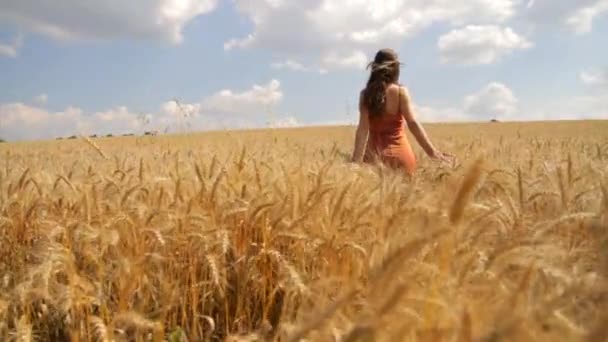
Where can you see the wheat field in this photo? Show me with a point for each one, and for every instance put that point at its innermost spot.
(271, 235)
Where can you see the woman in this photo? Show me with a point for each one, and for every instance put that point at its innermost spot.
(384, 107)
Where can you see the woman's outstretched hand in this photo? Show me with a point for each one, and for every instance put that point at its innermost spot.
(443, 157)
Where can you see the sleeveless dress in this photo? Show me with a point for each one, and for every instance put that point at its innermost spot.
(387, 143)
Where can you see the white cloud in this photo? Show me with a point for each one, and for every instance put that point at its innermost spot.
(105, 19)
(333, 34)
(497, 101)
(21, 121)
(427, 113)
(479, 44)
(595, 78)
(226, 109)
(285, 122)
(289, 65)
(41, 99)
(257, 100)
(334, 60)
(494, 101)
(582, 19)
(293, 65)
(11, 49)
(575, 15)
(176, 109)
(238, 43)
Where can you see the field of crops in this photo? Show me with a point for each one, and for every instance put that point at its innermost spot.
(273, 235)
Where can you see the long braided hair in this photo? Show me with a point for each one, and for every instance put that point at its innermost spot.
(384, 71)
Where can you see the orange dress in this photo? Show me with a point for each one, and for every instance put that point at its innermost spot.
(388, 143)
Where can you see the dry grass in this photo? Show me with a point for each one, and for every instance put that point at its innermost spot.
(271, 235)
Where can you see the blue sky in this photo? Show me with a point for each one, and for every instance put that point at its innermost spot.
(71, 67)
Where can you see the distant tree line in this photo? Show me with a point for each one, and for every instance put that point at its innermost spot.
(148, 133)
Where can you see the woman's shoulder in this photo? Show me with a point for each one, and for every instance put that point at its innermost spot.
(396, 88)
(403, 92)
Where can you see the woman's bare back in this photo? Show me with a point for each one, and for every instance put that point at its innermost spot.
(387, 141)
(384, 111)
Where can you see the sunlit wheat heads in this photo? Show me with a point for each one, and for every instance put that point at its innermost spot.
(276, 236)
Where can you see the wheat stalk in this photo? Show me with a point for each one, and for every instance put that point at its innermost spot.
(274, 238)
(94, 146)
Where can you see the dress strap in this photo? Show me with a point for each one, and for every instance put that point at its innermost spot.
(399, 100)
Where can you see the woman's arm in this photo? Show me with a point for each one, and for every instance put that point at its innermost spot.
(362, 132)
(416, 128)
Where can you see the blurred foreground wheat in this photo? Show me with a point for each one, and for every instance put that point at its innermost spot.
(272, 236)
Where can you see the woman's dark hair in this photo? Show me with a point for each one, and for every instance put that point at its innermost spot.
(384, 71)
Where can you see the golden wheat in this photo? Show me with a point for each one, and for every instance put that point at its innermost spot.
(274, 236)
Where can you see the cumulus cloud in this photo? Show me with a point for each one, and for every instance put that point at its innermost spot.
(479, 44)
(289, 65)
(582, 19)
(20, 121)
(226, 109)
(577, 16)
(595, 78)
(352, 60)
(429, 113)
(334, 34)
(11, 49)
(285, 122)
(105, 19)
(495, 100)
(41, 99)
(257, 100)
